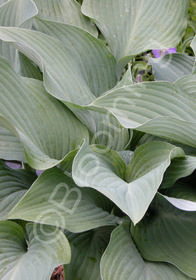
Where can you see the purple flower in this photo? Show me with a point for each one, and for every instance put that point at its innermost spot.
(159, 53)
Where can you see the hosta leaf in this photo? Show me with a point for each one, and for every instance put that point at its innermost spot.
(13, 185)
(180, 167)
(85, 55)
(193, 45)
(182, 196)
(47, 135)
(160, 108)
(55, 200)
(65, 11)
(10, 146)
(2, 2)
(15, 13)
(87, 249)
(168, 234)
(104, 172)
(146, 138)
(131, 27)
(28, 69)
(171, 67)
(46, 249)
(76, 58)
(122, 261)
(106, 129)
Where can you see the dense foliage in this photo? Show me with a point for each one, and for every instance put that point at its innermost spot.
(112, 128)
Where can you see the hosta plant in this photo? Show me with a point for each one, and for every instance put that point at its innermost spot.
(116, 199)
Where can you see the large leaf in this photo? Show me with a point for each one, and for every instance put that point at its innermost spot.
(87, 249)
(65, 11)
(76, 58)
(15, 13)
(168, 234)
(160, 108)
(79, 57)
(13, 185)
(106, 129)
(105, 172)
(45, 250)
(122, 261)
(131, 27)
(171, 67)
(55, 200)
(47, 135)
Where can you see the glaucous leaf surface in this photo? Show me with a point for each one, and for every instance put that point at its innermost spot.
(65, 11)
(45, 127)
(168, 234)
(182, 196)
(34, 258)
(123, 261)
(171, 67)
(13, 186)
(55, 200)
(179, 168)
(15, 13)
(10, 146)
(131, 27)
(160, 108)
(84, 69)
(87, 249)
(76, 58)
(133, 188)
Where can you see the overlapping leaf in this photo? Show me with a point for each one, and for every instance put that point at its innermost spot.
(65, 11)
(122, 261)
(179, 168)
(131, 27)
(160, 108)
(182, 196)
(84, 69)
(172, 66)
(13, 185)
(46, 128)
(15, 13)
(54, 199)
(105, 172)
(87, 249)
(10, 146)
(168, 234)
(46, 249)
(70, 78)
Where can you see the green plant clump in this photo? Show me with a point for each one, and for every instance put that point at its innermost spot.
(113, 131)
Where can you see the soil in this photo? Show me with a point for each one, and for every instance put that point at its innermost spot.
(58, 273)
